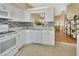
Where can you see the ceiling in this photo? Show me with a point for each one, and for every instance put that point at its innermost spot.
(23, 5)
(59, 7)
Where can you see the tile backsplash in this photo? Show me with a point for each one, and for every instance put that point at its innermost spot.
(13, 24)
(48, 24)
(20, 24)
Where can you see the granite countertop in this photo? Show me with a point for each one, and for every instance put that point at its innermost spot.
(1, 33)
(42, 28)
(19, 29)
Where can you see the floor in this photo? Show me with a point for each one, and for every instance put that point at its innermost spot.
(65, 46)
(61, 49)
(62, 37)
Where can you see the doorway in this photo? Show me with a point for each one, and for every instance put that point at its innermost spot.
(61, 33)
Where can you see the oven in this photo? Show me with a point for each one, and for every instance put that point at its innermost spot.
(7, 43)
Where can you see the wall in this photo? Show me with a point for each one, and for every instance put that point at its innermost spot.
(72, 9)
(57, 20)
(62, 21)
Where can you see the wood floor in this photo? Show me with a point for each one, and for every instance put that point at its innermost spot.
(62, 37)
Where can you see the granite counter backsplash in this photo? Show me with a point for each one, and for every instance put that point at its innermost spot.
(20, 24)
(13, 24)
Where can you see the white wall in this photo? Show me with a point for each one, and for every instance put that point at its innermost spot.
(57, 20)
(62, 21)
(78, 45)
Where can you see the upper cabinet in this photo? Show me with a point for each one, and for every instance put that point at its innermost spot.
(17, 14)
(11, 11)
(49, 14)
(27, 16)
(45, 12)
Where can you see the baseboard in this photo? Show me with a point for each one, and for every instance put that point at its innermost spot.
(43, 44)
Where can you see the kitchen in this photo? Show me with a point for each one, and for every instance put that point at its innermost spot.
(21, 27)
(17, 24)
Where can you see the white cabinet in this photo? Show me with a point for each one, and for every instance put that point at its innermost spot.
(15, 13)
(36, 36)
(49, 14)
(48, 37)
(20, 39)
(43, 36)
(28, 35)
(23, 38)
(12, 8)
(27, 16)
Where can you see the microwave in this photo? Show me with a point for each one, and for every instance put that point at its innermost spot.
(4, 14)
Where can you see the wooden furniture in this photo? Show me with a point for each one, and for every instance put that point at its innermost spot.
(57, 28)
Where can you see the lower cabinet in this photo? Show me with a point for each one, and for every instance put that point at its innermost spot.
(24, 37)
(28, 36)
(36, 36)
(43, 36)
(48, 37)
(20, 39)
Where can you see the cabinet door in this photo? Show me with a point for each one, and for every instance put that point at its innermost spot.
(36, 36)
(22, 37)
(28, 37)
(49, 14)
(27, 17)
(12, 12)
(48, 37)
(18, 41)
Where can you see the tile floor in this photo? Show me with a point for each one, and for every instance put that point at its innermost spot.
(61, 49)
